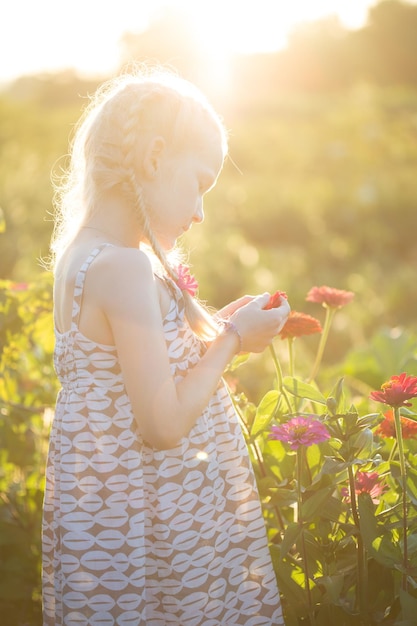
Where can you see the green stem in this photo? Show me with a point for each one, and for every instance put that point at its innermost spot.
(393, 450)
(278, 371)
(303, 543)
(323, 340)
(362, 575)
(255, 448)
(400, 443)
(262, 470)
(291, 356)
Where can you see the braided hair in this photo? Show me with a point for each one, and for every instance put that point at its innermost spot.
(103, 158)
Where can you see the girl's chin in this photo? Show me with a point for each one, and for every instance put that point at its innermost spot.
(167, 244)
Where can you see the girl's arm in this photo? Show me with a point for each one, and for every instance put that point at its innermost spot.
(166, 411)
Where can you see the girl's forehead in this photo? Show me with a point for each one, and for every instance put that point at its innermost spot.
(213, 151)
(211, 159)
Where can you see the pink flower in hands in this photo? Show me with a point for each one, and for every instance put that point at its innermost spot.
(186, 281)
(276, 300)
(300, 431)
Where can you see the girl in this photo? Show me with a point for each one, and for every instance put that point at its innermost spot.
(151, 514)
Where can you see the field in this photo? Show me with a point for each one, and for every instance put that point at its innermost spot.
(320, 189)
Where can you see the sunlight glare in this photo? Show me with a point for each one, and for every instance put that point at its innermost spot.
(226, 28)
(85, 35)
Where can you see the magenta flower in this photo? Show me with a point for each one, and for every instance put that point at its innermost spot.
(186, 281)
(300, 431)
(397, 391)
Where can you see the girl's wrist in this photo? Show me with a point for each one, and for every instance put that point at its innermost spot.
(229, 328)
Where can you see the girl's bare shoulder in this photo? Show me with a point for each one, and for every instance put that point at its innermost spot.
(121, 272)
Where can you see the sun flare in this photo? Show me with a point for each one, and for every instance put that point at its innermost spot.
(229, 27)
(86, 35)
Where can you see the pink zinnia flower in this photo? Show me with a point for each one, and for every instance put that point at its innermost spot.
(330, 297)
(300, 431)
(276, 300)
(397, 391)
(299, 324)
(366, 482)
(387, 427)
(186, 281)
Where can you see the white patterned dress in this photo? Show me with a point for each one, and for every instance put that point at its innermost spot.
(135, 536)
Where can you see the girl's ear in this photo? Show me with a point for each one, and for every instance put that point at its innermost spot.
(153, 156)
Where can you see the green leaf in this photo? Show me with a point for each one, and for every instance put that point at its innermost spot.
(333, 466)
(333, 586)
(369, 420)
(408, 606)
(264, 412)
(378, 541)
(312, 505)
(363, 443)
(292, 533)
(282, 497)
(411, 484)
(239, 360)
(303, 390)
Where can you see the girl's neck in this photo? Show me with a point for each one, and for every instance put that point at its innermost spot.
(114, 220)
(127, 241)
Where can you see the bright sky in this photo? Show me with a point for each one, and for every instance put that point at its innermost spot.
(50, 35)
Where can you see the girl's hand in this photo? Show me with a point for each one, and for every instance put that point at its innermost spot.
(257, 326)
(230, 308)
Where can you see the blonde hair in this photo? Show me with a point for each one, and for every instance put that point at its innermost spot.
(103, 158)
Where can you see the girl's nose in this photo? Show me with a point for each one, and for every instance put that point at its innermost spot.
(198, 216)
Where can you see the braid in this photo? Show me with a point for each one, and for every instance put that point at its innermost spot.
(198, 317)
(143, 220)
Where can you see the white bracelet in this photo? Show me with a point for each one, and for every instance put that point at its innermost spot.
(230, 327)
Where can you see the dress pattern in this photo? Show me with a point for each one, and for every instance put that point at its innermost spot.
(134, 536)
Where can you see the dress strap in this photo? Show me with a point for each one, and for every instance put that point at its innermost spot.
(79, 284)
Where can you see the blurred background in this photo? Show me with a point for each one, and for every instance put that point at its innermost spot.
(320, 100)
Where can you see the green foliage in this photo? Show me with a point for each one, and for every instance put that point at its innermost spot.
(27, 393)
(341, 514)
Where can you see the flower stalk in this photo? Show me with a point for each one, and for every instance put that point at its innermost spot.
(362, 574)
(300, 521)
(403, 476)
(278, 370)
(323, 340)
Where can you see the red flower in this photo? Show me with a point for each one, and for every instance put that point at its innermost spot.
(299, 324)
(330, 297)
(387, 427)
(186, 281)
(300, 431)
(366, 482)
(397, 391)
(275, 300)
